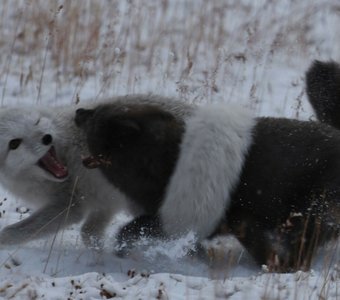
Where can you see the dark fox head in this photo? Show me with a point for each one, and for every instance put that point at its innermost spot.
(110, 128)
(135, 146)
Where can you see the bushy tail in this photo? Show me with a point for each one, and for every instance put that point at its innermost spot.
(323, 91)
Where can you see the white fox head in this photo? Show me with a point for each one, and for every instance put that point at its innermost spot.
(27, 146)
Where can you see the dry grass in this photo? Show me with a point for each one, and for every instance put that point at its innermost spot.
(200, 52)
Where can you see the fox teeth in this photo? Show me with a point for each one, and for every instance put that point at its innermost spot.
(50, 163)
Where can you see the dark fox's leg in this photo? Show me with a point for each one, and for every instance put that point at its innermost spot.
(148, 227)
(269, 245)
(143, 226)
(289, 245)
(251, 234)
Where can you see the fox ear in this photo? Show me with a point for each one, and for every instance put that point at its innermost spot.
(82, 115)
(127, 127)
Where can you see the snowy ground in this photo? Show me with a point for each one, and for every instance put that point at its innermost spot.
(251, 52)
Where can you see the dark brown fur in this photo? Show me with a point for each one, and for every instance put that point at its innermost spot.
(136, 147)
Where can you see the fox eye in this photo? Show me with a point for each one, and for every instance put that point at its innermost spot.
(14, 144)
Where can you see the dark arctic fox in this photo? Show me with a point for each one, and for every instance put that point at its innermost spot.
(273, 183)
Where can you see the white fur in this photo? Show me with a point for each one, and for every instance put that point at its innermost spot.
(213, 151)
(84, 195)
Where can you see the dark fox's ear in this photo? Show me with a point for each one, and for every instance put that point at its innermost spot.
(82, 115)
(126, 127)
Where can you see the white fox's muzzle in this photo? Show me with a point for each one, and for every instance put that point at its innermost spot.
(51, 164)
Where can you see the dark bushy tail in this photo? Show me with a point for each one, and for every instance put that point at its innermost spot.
(323, 91)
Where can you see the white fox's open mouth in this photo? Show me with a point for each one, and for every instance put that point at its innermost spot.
(50, 163)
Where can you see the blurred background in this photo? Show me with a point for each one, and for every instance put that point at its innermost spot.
(252, 52)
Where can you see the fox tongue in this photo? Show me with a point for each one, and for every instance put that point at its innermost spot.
(50, 163)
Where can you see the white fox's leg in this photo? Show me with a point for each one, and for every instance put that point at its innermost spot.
(47, 220)
(93, 229)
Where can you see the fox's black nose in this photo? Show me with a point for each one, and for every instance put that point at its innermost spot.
(47, 139)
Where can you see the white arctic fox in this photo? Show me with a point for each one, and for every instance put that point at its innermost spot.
(40, 161)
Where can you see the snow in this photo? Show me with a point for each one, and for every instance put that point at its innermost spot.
(251, 52)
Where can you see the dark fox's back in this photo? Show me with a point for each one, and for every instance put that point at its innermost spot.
(288, 161)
